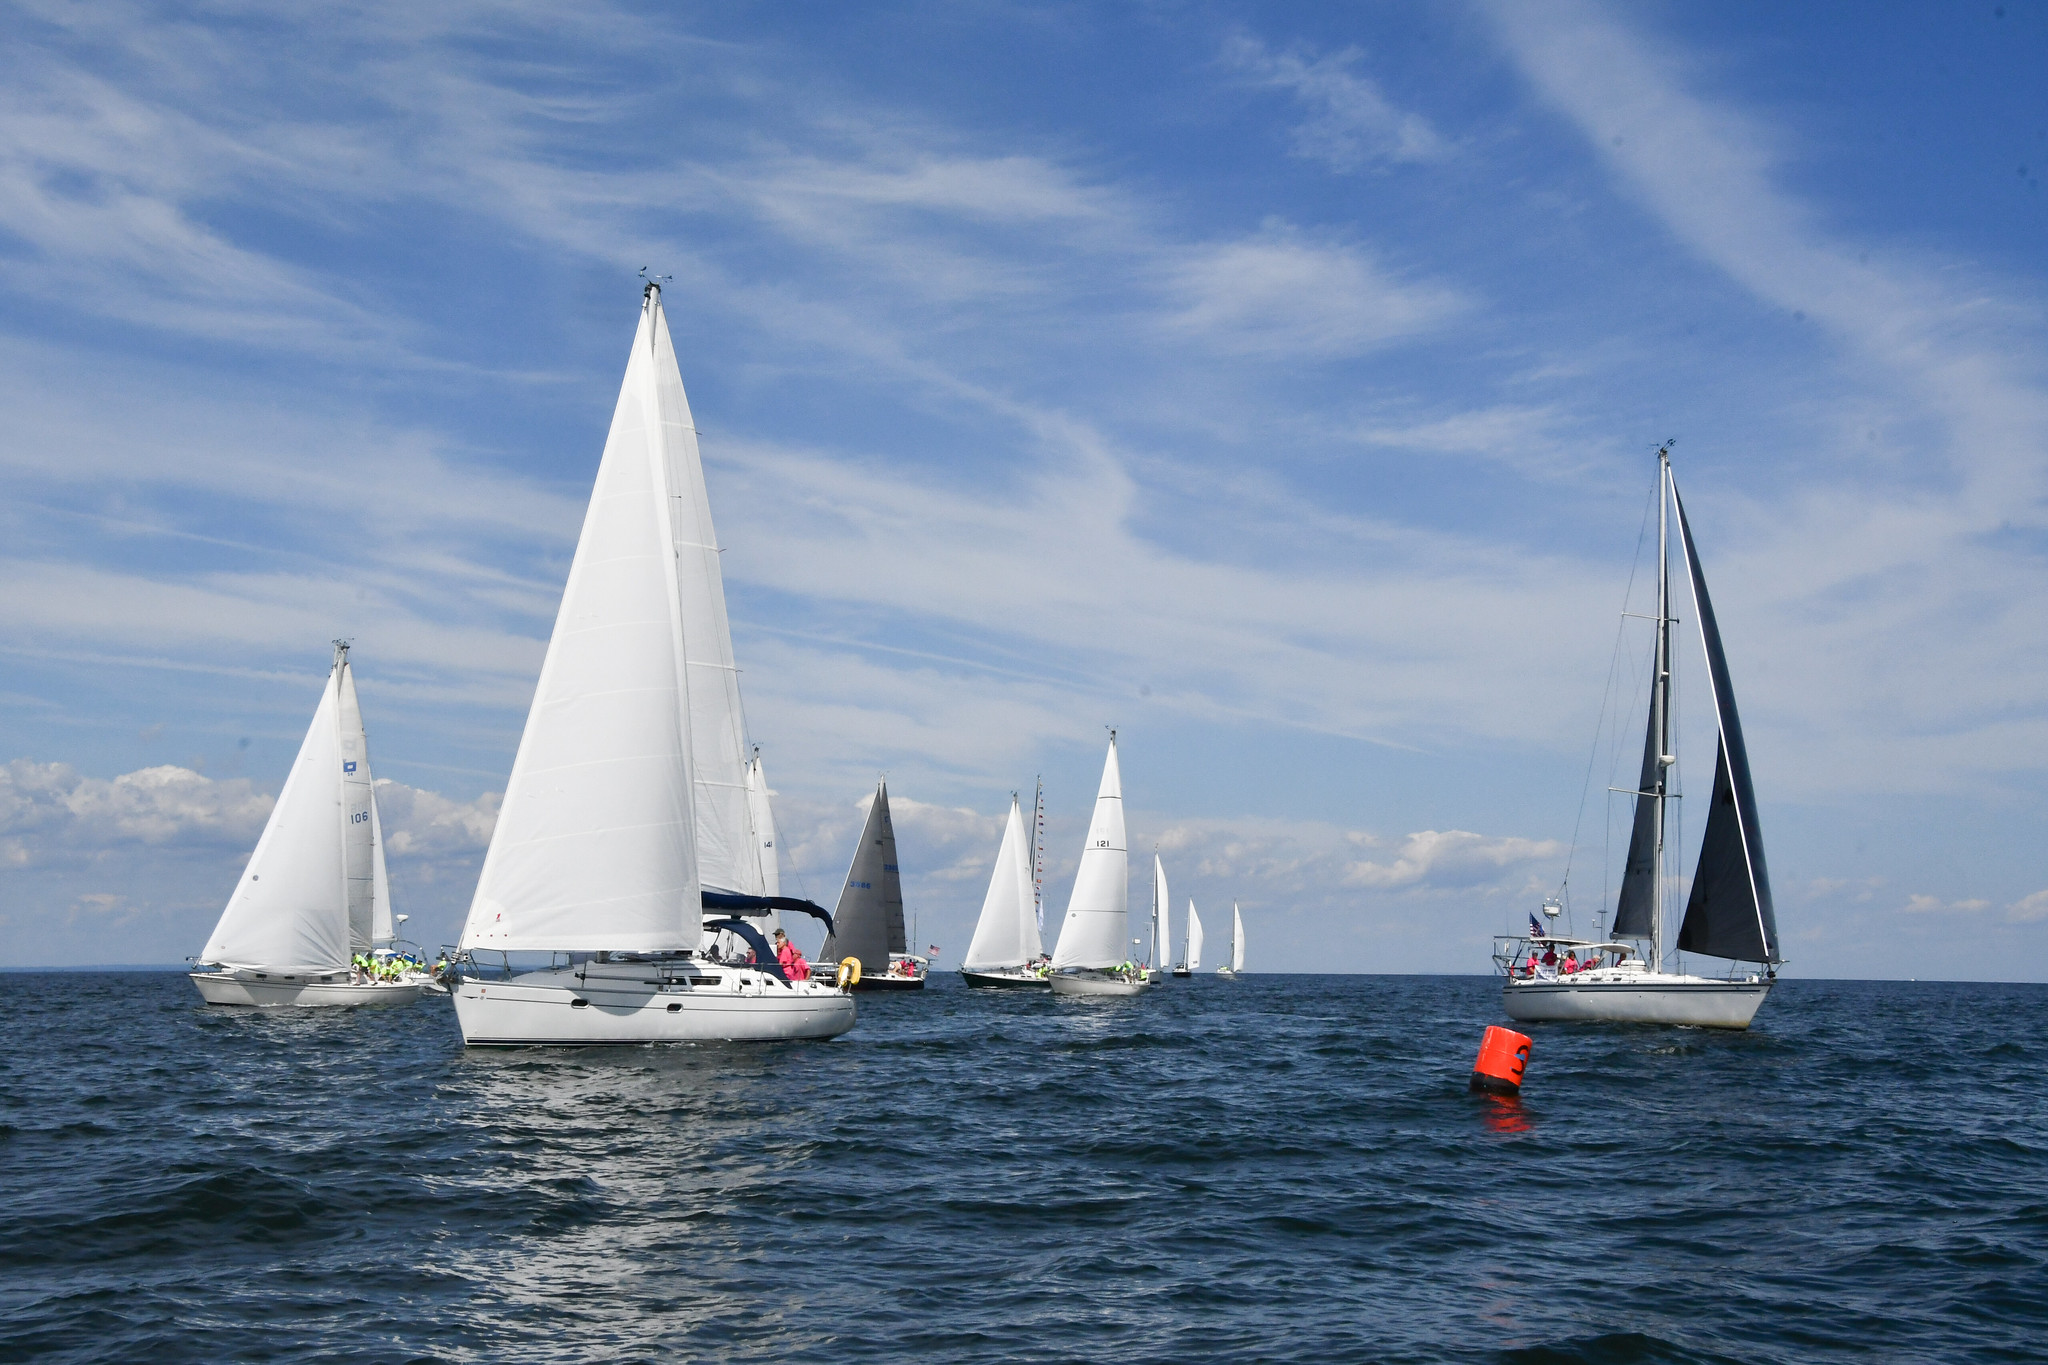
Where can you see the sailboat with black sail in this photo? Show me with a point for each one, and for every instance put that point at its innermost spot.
(867, 924)
(627, 815)
(1728, 914)
(1005, 952)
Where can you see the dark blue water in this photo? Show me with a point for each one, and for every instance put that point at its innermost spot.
(1283, 1168)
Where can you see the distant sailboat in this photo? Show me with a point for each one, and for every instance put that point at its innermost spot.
(315, 895)
(1191, 956)
(868, 921)
(1236, 964)
(627, 813)
(1093, 956)
(1006, 951)
(1162, 931)
(1729, 913)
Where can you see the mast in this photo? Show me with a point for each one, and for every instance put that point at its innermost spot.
(1660, 699)
(1038, 860)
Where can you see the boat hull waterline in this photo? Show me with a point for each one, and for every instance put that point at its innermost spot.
(1081, 983)
(1701, 1002)
(1001, 980)
(222, 988)
(560, 1008)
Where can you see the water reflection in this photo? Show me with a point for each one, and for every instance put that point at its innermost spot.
(1504, 1114)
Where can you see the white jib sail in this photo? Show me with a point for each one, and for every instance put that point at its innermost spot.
(1236, 939)
(1194, 938)
(383, 932)
(359, 846)
(289, 913)
(1006, 935)
(728, 850)
(1162, 929)
(1096, 932)
(595, 846)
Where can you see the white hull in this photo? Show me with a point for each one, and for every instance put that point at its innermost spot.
(1226, 971)
(223, 988)
(644, 1002)
(1089, 983)
(1005, 978)
(1637, 998)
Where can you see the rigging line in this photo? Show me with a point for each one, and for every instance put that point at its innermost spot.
(1613, 665)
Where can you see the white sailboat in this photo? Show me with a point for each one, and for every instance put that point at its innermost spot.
(1093, 956)
(1236, 963)
(627, 812)
(1191, 955)
(1162, 931)
(1728, 914)
(1006, 951)
(315, 894)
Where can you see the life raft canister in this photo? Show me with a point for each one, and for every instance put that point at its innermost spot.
(1503, 1054)
(849, 972)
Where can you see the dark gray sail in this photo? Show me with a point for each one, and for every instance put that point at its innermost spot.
(1636, 912)
(869, 917)
(1729, 913)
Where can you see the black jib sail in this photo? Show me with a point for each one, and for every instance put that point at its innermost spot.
(1729, 913)
(868, 921)
(1637, 908)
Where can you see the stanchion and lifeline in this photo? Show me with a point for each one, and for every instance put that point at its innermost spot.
(1503, 1053)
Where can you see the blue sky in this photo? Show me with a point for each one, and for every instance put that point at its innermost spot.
(1275, 383)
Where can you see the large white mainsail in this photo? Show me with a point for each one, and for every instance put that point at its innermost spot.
(595, 846)
(728, 846)
(1006, 935)
(1194, 938)
(1096, 932)
(290, 911)
(359, 836)
(1236, 939)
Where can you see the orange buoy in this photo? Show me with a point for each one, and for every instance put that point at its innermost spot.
(1503, 1053)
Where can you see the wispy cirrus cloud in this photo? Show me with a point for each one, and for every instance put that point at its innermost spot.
(1350, 122)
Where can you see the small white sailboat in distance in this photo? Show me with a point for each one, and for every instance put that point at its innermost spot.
(1162, 931)
(612, 840)
(1006, 951)
(1728, 915)
(1191, 956)
(1093, 957)
(1236, 963)
(315, 894)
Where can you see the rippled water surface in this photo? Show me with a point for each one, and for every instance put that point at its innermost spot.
(1280, 1168)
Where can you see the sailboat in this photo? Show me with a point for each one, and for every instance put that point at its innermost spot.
(1236, 963)
(1093, 956)
(1006, 951)
(1728, 914)
(315, 893)
(1162, 931)
(1191, 955)
(867, 924)
(627, 813)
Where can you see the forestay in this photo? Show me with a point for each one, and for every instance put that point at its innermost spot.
(595, 845)
(1096, 932)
